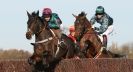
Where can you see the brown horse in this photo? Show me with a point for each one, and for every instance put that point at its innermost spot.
(89, 41)
(45, 41)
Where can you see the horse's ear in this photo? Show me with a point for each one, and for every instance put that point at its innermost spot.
(37, 13)
(74, 15)
(28, 14)
(32, 44)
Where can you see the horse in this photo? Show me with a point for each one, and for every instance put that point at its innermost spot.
(46, 43)
(89, 42)
(38, 60)
(66, 51)
(45, 40)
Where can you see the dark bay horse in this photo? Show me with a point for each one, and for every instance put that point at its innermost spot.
(88, 39)
(45, 41)
(45, 46)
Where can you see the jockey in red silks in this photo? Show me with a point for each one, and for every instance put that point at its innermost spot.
(72, 32)
(71, 36)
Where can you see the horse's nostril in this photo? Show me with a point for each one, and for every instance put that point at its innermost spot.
(28, 35)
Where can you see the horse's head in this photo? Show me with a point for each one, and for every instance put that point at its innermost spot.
(81, 24)
(32, 26)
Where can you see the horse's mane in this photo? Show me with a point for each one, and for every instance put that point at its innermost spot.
(35, 14)
(40, 18)
(87, 24)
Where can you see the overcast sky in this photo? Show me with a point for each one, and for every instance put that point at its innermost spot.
(13, 18)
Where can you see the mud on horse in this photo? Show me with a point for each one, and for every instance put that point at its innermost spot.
(89, 41)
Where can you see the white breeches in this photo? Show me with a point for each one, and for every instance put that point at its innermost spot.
(107, 32)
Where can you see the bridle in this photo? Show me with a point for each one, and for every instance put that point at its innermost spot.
(32, 24)
(85, 32)
(47, 39)
(41, 30)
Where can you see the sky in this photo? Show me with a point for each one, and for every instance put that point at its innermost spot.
(13, 18)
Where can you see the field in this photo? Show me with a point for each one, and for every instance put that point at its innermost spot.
(74, 65)
(14, 66)
(96, 65)
(16, 61)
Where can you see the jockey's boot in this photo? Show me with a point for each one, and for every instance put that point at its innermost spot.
(104, 44)
(104, 41)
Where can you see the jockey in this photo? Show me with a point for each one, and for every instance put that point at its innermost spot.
(71, 36)
(72, 32)
(104, 20)
(53, 20)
